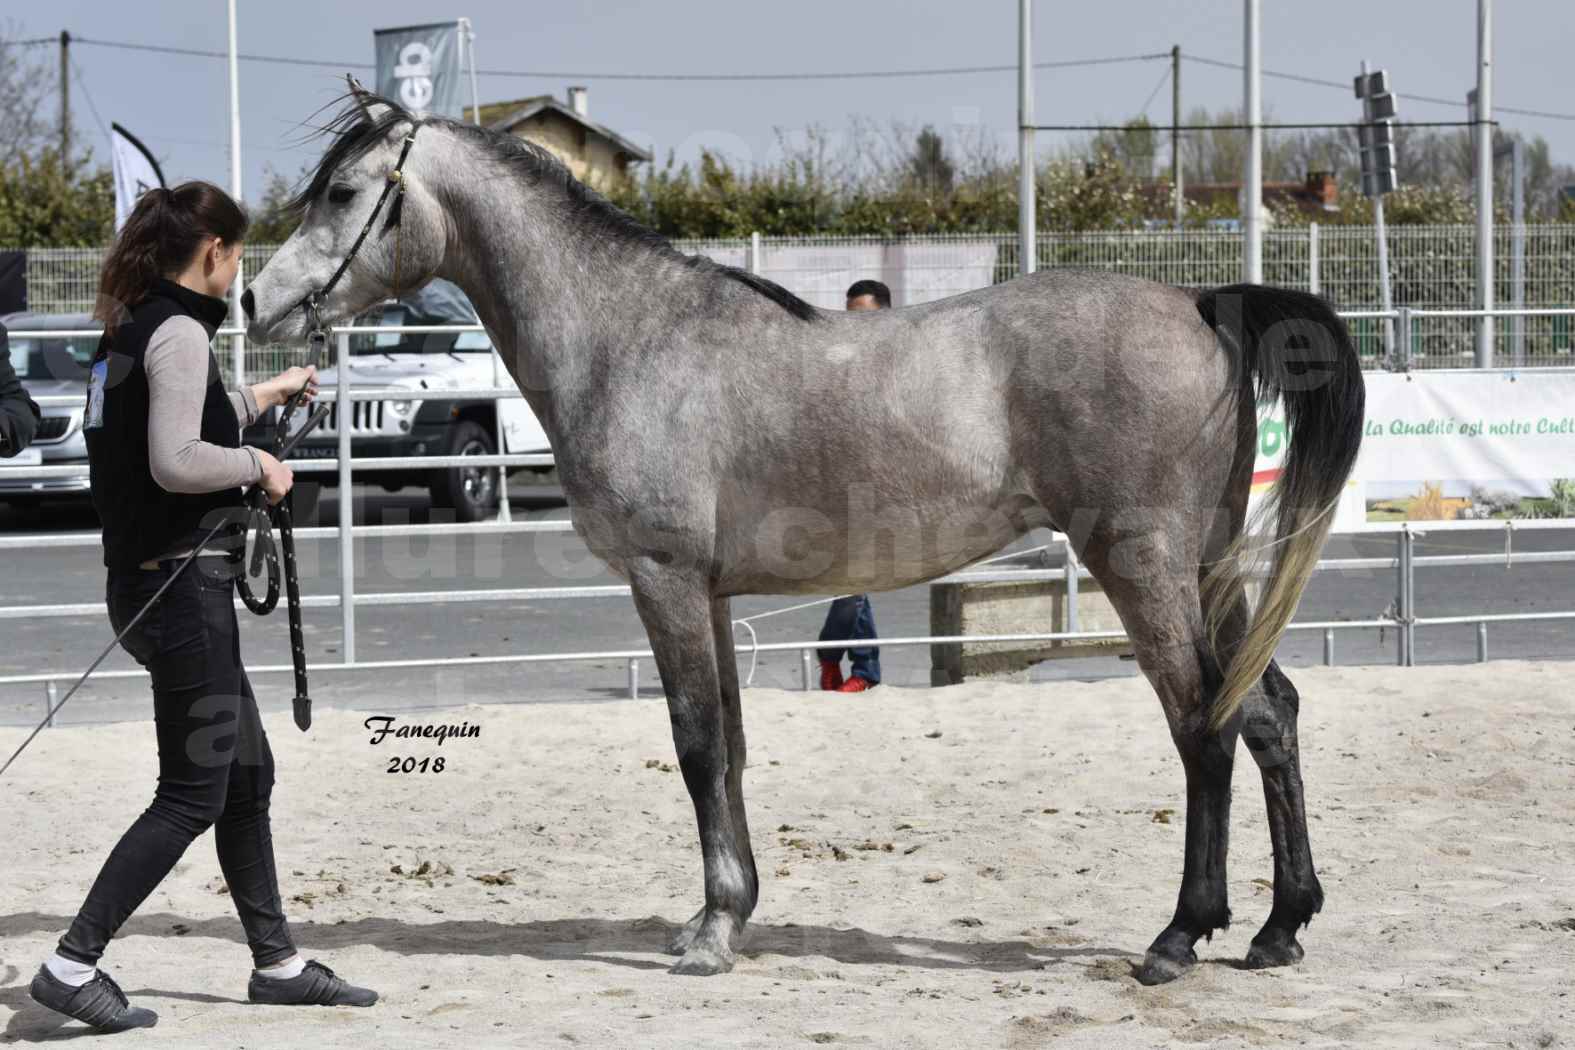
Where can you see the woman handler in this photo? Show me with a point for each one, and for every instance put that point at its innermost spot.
(167, 464)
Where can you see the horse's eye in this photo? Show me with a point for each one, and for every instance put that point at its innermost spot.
(340, 194)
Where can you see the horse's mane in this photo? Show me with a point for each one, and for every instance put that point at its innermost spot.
(352, 135)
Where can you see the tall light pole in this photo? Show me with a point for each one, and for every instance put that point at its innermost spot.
(238, 350)
(1252, 177)
(1026, 248)
(1484, 144)
(1180, 201)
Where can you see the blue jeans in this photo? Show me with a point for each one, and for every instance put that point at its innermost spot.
(852, 619)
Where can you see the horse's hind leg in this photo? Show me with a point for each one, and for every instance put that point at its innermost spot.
(1157, 597)
(733, 727)
(676, 608)
(1268, 728)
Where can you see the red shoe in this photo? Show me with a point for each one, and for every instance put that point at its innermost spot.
(855, 684)
(831, 675)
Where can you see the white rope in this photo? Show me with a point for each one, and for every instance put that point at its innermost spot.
(754, 652)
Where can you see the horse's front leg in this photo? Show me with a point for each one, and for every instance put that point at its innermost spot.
(676, 608)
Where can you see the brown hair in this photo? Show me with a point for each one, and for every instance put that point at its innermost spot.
(164, 231)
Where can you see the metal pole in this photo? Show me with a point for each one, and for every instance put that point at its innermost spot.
(344, 410)
(1252, 179)
(504, 513)
(1027, 257)
(1407, 341)
(238, 345)
(1385, 299)
(470, 53)
(754, 252)
(1482, 643)
(806, 672)
(51, 694)
(1406, 602)
(1485, 181)
(1314, 279)
(1401, 608)
(634, 679)
(65, 104)
(1069, 571)
(1518, 250)
(1176, 175)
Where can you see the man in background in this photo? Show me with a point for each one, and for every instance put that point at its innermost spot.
(19, 414)
(850, 617)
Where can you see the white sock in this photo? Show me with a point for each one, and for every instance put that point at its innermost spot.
(69, 971)
(294, 966)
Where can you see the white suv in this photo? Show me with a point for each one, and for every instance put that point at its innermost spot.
(426, 423)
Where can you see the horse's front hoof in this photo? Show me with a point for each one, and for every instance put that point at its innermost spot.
(700, 961)
(1273, 948)
(680, 942)
(1160, 968)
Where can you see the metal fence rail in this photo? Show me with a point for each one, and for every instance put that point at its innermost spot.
(1433, 268)
(1403, 617)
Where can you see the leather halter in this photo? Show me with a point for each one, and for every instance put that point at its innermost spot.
(316, 331)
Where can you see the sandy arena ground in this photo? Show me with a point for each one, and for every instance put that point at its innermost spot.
(975, 866)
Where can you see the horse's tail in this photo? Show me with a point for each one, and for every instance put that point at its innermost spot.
(1291, 345)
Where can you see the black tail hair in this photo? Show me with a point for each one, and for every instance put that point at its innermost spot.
(1289, 345)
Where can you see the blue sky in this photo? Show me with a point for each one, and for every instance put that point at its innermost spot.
(179, 104)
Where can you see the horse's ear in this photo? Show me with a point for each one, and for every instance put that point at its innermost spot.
(371, 108)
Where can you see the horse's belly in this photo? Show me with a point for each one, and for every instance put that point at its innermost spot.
(874, 548)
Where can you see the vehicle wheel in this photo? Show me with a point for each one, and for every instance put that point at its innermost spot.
(471, 491)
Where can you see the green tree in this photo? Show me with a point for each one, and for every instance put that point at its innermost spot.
(42, 205)
(929, 167)
(273, 222)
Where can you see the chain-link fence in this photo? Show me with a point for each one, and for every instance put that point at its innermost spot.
(1433, 267)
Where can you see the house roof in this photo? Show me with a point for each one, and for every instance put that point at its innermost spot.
(505, 116)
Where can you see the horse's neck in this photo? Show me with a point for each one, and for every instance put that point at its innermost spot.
(554, 303)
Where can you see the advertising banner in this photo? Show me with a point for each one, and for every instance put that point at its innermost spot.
(419, 67)
(1436, 443)
(134, 169)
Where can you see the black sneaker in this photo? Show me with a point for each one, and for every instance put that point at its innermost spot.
(99, 1003)
(317, 985)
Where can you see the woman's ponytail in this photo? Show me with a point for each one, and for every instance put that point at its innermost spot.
(161, 235)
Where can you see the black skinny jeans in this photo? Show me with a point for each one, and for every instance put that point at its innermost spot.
(215, 766)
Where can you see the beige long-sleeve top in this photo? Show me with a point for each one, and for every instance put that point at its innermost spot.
(176, 363)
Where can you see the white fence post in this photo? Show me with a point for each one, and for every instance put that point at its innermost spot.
(345, 411)
(1313, 283)
(1069, 569)
(504, 514)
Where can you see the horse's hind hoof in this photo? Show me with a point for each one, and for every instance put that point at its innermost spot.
(1162, 969)
(700, 961)
(1273, 948)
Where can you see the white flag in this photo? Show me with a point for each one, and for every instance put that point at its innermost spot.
(136, 172)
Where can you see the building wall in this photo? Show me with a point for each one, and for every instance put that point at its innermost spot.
(591, 159)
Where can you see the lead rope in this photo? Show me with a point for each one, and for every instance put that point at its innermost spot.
(281, 517)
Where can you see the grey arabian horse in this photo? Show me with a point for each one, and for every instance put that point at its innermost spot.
(718, 436)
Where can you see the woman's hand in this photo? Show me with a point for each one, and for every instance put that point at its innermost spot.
(276, 477)
(277, 391)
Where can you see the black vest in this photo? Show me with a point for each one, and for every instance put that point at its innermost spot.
(141, 520)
